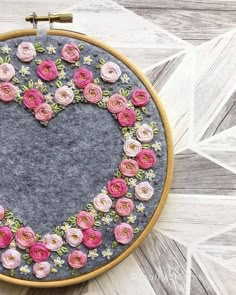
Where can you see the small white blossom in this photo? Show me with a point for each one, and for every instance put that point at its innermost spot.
(5, 49)
(93, 212)
(71, 84)
(137, 125)
(10, 222)
(150, 175)
(25, 269)
(62, 74)
(51, 49)
(38, 84)
(157, 146)
(24, 71)
(125, 79)
(87, 60)
(93, 254)
(49, 98)
(107, 253)
(132, 182)
(58, 262)
(77, 64)
(65, 227)
(12, 245)
(127, 135)
(18, 91)
(140, 207)
(131, 218)
(106, 219)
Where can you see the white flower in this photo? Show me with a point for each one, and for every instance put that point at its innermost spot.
(25, 269)
(65, 227)
(106, 219)
(150, 175)
(51, 49)
(132, 182)
(87, 60)
(62, 74)
(18, 91)
(71, 84)
(10, 222)
(58, 262)
(131, 218)
(144, 133)
(125, 79)
(5, 49)
(93, 212)
(49, 98)
(127, 135)
(93, 254)
(12, 245)
(140, 207)
(38, 84)
(157, 146)
(77, 64)
(24, 71)
(107, 253)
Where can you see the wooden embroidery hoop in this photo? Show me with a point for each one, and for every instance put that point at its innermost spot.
(170, 159)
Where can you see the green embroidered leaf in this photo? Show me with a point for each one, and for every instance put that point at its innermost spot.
(8, 215)
(113, 213)
(96, 81)
(81, 46)
(58, 61)
(8, 59)
(102, 61)
(154, 127)
(97, 223)
(76, 92)
(144, 110)
(59, 83)
(136, 230)
(44, 89)
(105, 92)
(53, 270)
(40, 49)
(38, 61)
(60, 67)
(114, 244)
(24, 88)
(146, 146)
(30, 84)
(98, 66)
(116, 217)
(122, 92)
(89, 206)
(15, 80)
(1, 60)
(78, 98)
(37, 44)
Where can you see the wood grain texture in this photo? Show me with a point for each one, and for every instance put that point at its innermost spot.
(73, 290)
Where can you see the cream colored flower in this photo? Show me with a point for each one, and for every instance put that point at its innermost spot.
(87, 60)
(51, 49)
(125, 79)
(24, 71)
(38, 84)
(140, 207)
(150, 175)
(107, 253)
(25, 269)
(65, 227)
(62, 75)
(131, 218)
(58, 262)
(106, 219)
(93, 254)
(71, 84)
(5, 49)
(157, 146)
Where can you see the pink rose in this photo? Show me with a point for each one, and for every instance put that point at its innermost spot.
(77, 259)
(102, 203)
(117, 187)
(124, 207)
(93, 93)
(39, 252)
(64, 96)
(43, 112)
(25, 237)
(74, 236)
(85, 220)
(41, 269)
(128, 167)
(110, 72)
(83, 77)
(7, 72)
(8, 92)
(2, 213)
(32, 98)
(53, 242)
(47, 70)
(92, 238)
(124, 233)
(146, 159)
(144, 191)
(132, 147)
(6, 236)
(116, 103)
(139, 97)
(127, 118)
(26, 51)
(70, 52)
(145, 133)
(11, 259)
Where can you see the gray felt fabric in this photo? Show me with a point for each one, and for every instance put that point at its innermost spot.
(48, 174)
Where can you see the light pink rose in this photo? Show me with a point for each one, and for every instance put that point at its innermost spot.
(77, 259)
(117, 187)
(128, 167)
(140, 97)
(11, 259)
(124, 207)
(41, 269)
(74, 236)
(2, 213)
(70, 52)
(64, 96)
(127, 118)
(132, 147)
(8, 92)
(85, 220)
(110, 72)
(144, 133)
(144, 191)
(93, 93)
(39, 252)
(116, 103)
(83, 77)
(53, 242)
(6, 236)
(92, 238)
(146, 159)
(47, 70)
(43, 112)
(7, 72)
(25, 237)
(102, 203)
(123, 233)
(26, 51)
(32, 98)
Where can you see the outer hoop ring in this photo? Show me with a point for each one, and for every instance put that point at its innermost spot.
(170, 160)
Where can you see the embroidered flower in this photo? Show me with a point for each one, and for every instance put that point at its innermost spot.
(2, 213)
(93, 93)
(25, 237)
(39, 252)
(92, 238)
(117, 187)
(43, 112)
(77, 259)
(70, 52)
(150, 175)
(127, 118)
(26, 51)
(74, 237)
(24, 71)
(32, 98)
(107, 219)
(144, 191)
(132, 182)
(38, 83)
(93, 254)
(53, 242)
(65, 227)
(144, 133)
(140, 97)
(102, 203)
(6, 236)
(25, 269)
(123, 233)
(131, 218)
(71, 84)
(116, 103)
(125, 79)
(157, 146)
(146, 159)
(51, 49)
(41, 269)
(107, 253)
(110, 72)
(58, 262)
(62, 75)
(140, 207)
(49, 98)
(47, 70)
(7, 72)
(8, 92)
(5, 49)
(83, 77)
(64, 96)
(128, 167)
(132, 147)
(87, 60)
(124, 207)
(11, 259)
(85, 220)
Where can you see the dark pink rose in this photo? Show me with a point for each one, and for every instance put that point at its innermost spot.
(140, 97)
(77, 259)
(146, 159)
(39, 252)
(83, 77)
(70, 52)
(127, 118)
(117, 187)
(8, 92)
(43, 112)
(92, 238)
(6, 236)
(47, 70)
(32, 98)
